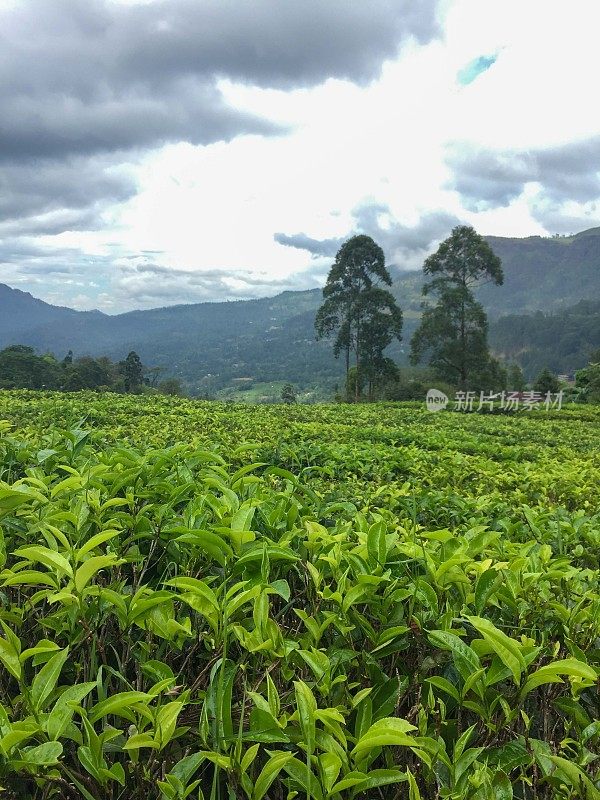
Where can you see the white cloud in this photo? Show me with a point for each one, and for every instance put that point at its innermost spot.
(216, 207)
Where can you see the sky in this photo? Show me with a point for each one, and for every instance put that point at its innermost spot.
(176, 151)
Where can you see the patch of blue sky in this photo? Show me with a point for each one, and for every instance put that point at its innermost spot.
(475, 68)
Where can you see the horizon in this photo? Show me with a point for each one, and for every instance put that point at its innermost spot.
(396, 270)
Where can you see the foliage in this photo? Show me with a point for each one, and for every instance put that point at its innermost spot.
(546, 382)
(132, 371)
(22, 368)
(363, 316)
(452, 334)
(378, 600)
(561, 340)
(515, 378)
(288, 394)
(588, 379)
(171, 386)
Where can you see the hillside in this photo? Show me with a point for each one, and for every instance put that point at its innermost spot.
(544, 274)
(210, 345)
(560, 340)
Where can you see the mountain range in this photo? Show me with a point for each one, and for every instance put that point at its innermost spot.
(223, 347)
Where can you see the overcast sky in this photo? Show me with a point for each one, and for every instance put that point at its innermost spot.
(176, 151)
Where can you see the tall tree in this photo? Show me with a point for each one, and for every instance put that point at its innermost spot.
(588, 379)
(20, 367)
(356, 309)
(452, 334)
(515, 378)
(546, 382)
(133, 372)
(288, 394)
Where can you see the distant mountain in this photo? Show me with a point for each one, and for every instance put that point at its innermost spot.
(544, 274)
(20, 313)
(207, 345)
(540, 274)
(212, 345)
(561, 340)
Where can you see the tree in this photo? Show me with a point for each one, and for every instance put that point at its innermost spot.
(588, 379)
(21, 368)
(133, 372)
(516, 379)
(288, 394)
(171, 386)
(546, 382)
(86, 373)
(363, 316)
(152, 375)
(452, 334)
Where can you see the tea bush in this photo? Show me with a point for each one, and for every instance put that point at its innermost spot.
(208, 600)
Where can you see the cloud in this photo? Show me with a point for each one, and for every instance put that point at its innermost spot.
(88, 87)
(90, 76)
(316, 247)
(475, 68)
(45, 197)
(564, 218)
(402, 244)
(116, 283)
(149, 285)
(487, 179)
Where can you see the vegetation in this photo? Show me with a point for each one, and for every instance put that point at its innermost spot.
(362, 603)
(363, 316)
(288, 394)
(207, 346)
(22, 368)
(515, 379)
(546, 382)
(452, 334)
(561, 340)
(588, 379)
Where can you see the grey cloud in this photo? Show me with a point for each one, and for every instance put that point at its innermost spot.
(489, 179)
(147, 285)
(85, 76)
(403, 244)
(316, 247)
(86, 85)
(486, 179)
(52, 223)
(571, 172)
(53, 126)
(45, 197)
(555, 219)
(117, 283)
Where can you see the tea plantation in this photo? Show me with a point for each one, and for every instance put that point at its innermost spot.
(206, 600)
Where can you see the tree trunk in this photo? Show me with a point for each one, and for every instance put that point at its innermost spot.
(357, 384)
(347, 371)
(463, 347)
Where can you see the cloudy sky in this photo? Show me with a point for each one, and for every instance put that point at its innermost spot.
(176, 151)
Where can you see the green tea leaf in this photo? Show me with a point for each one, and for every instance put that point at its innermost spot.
(45, 681)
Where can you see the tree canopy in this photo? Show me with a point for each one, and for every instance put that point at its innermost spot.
(357, 311)
(22, 368)
(452, 335)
